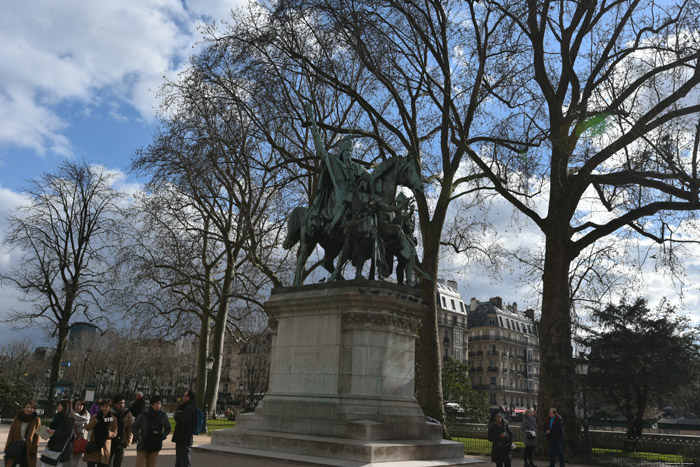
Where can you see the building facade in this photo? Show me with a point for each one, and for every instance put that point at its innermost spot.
(452, 322)
(504, 355)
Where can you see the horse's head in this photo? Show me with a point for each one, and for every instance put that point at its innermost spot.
(407, 175)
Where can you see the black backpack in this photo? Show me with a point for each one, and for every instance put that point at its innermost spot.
(153, 436)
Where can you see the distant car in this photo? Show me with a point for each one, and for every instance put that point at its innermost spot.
(454, 409)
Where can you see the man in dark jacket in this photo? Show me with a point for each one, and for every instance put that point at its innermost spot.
(554, 427)
(150, 429)
(185, 422)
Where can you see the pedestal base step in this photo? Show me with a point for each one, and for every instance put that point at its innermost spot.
(258, 458)
(339, 448)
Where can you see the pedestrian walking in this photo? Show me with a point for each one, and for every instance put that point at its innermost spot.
(124, 436)
(23, 440)
(81, 417)
(529, 429)
(103, 428)
(554, 427)
(150, 429)
(61, 431)
(502, 440)
(185, 423)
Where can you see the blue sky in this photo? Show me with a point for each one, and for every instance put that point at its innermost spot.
(78, 80)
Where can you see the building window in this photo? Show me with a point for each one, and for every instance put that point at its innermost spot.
(461, 307)
(452, 302)
(444, 303)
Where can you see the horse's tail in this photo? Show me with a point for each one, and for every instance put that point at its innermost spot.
(295, 221)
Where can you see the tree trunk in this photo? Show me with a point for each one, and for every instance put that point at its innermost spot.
(556, 366)
(430, 360)
(202, 352)
(61, 341)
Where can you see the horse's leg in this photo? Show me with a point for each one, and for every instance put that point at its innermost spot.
(341, 260)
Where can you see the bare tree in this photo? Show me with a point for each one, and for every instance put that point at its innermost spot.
(228, 199)
(256, 364)
(611, 88)
(64, 235)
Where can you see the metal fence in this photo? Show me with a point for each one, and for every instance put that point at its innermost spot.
(599, 448)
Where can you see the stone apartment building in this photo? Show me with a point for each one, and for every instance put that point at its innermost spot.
(452, 321)
(504, 355)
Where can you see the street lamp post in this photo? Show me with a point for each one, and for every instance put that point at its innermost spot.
(82, 375)
(582, 370)
(47, 373)
(241, 387)
(208, 365)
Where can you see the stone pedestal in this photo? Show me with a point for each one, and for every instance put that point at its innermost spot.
(341, 377)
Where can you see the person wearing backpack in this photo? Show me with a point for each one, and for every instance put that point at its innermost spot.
(186, 425)
(124, 437)
(150, 429)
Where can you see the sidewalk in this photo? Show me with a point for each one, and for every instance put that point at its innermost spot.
(207, 459)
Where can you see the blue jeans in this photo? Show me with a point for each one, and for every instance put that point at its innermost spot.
(556, 448)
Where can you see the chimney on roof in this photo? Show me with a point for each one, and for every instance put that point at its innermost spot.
(498, 301)
(515, 307)
(452, 284)
(530, 313)
(472, 304)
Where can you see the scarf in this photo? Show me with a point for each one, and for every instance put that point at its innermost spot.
(101, 431)
(24, 418)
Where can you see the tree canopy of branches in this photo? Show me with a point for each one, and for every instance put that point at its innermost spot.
(641, 357)
(217, 203)
(64, 236)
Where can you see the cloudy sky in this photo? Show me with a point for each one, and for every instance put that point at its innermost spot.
(78, 80)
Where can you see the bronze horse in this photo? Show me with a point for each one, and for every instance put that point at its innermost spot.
(385, 179)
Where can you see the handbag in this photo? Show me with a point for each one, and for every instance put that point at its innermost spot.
(50, 457)
(79, 445)
(14, 450)
(529, 434)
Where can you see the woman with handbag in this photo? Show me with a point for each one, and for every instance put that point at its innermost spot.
(23, 439)
(529, 429)
(103, 427)
(81, 417)
(61, 431)
(502, 439)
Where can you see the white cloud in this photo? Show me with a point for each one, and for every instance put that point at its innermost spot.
(89, 53)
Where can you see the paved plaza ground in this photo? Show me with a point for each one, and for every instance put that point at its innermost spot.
(206, 459)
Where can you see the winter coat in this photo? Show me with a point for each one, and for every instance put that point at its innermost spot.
(141, 424)
(101, 456)
(62, 424)
(529, 424)
(31, 438)
(556, 427)
(501, 447)
(125, 437)
(185, 421)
